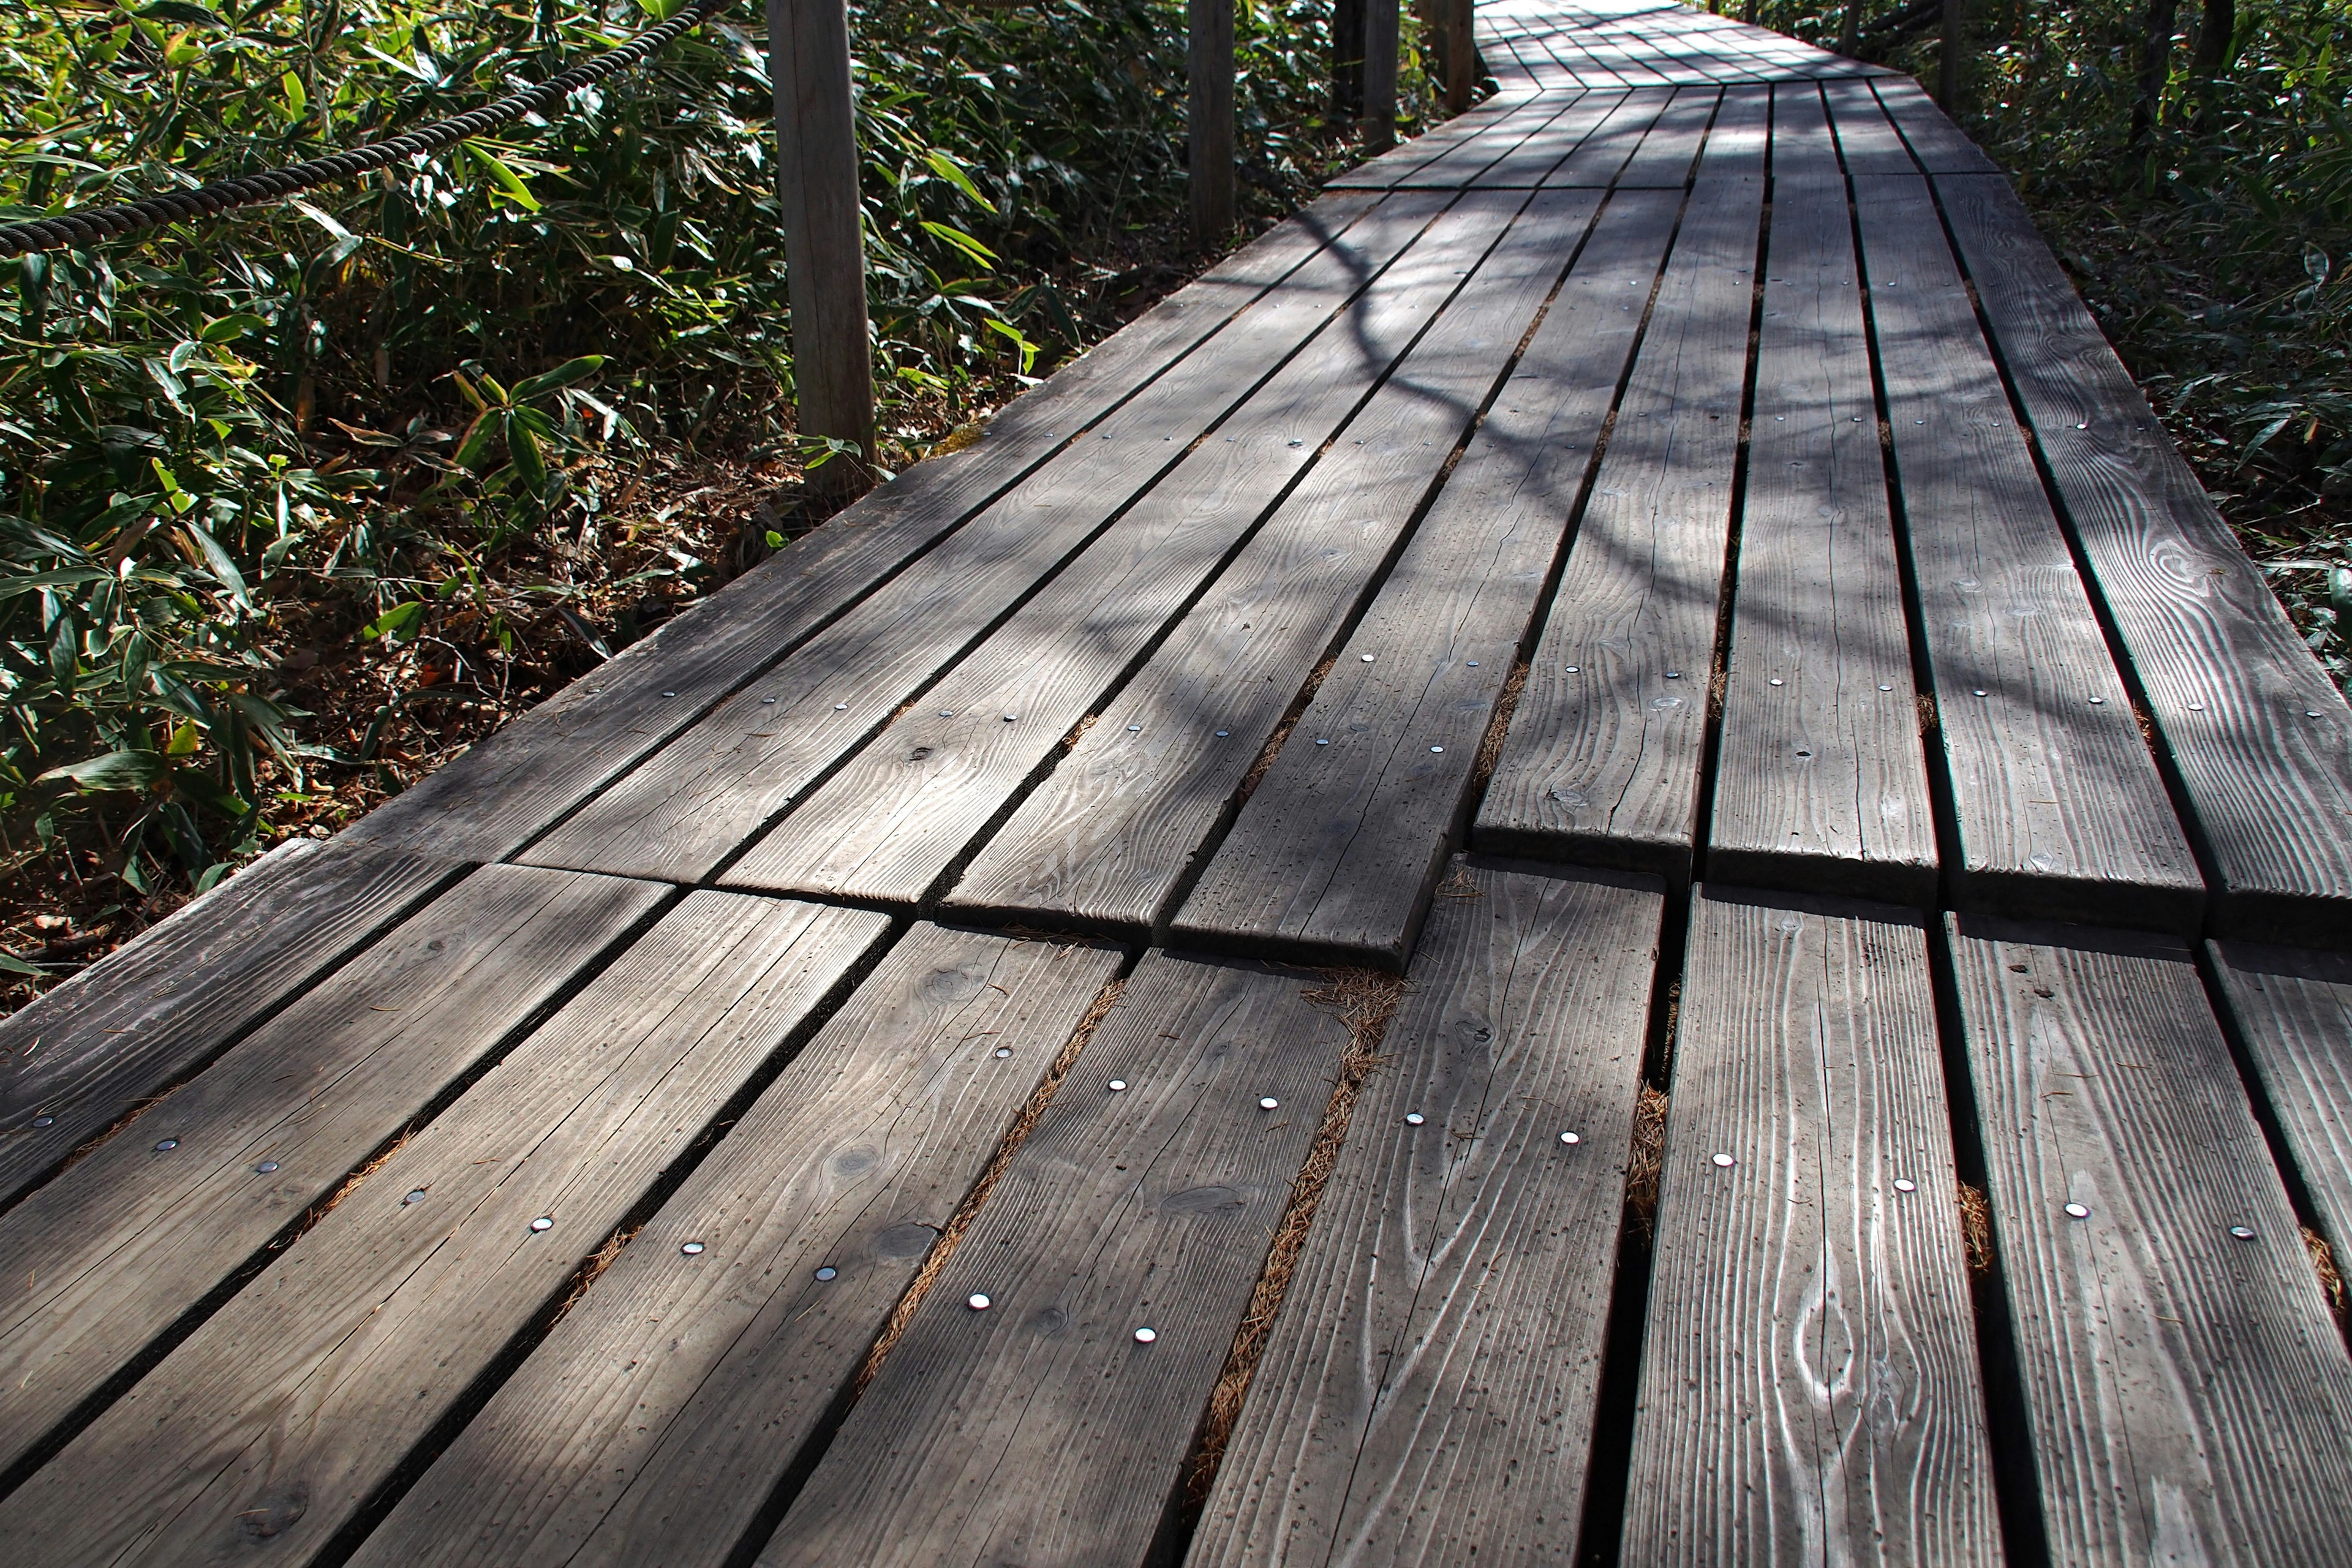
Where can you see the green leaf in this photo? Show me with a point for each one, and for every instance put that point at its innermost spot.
(562, 375)
(114, 771)
(12, 964)
(507, 180)
(229, 328)
(522, 450)
(396, 621)
(971, 247)
(948, 169)
(183, 740)
(223, 568)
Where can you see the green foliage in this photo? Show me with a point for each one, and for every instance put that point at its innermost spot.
(2217, 255)
(393, 408)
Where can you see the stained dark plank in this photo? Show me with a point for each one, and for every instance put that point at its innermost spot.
(657, 1418)
(1106, 841)
(511, 785)
(301, 1396)
(86, 1053)
(1428, 1392)
(1809, 1388)
(2261, 742)
(2293, 1009)
(1337, 852)
(893, 821)
(2059, 810)
(1820, 783)
(1041, 1431)
(684, 812)
(1601, 761)
(2187, 1396)
(97, 1264)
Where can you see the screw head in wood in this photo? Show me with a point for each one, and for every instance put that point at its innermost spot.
(977, 1302)
(1725, 1161)
(1117, 1084)
(1906, 1184)
(1222, 733)
(1131, 729)
(1367, 658)
(1776, 680)
(1267, 1102)
(947, 712)
(1414, 1119)
(1571, 1138)
(841, 707)
(45, 1122)
(1979, 691)
(1474, 664)
(691, 1248)
(1146, 1336)
(1013, 718)
(267, 1167)
(1321, 743)
(167, 1145)
(545, 1222)
(2197, 708)
(2078, 1211)
(827, 1274)
(669, 694)
(2311, 712)
(1571, 669)
(2242, 1232)
(2098, 701)
(1437, 749)
(416, 1195)
(1674, 674)
(1886, 686)
(1002, 1052)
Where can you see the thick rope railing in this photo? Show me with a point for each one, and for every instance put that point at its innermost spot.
(93, 224)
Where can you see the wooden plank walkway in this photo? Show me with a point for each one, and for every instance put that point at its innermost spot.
(849, 1080)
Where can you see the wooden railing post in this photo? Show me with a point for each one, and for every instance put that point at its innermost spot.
(1348, 57)
(1461, 55)
(825, 251)
(1379, 75)
(1948, 68)
(1209, 118)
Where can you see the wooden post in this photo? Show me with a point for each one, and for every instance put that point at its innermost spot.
(1849, 35)
(1948, 68)
(1461, 55)
(1379, 75)
(1348, 57)
(1209, 119)
(825, 251)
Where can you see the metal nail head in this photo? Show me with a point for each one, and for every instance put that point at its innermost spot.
(1367, 658)
(267, 1167)
(2098, 701)
(1571, 669)
(416, 1195)
(1570, 1138)
(1117, 1084)
(1438, 748)
(545, 1222)
(1267, 1102)
(669, 694)
(1674, 674)
(1776, 680)
(1320, 743)
(1725, 1161)
(826, 1274)
(1145, 1336)
(692, 1248)
(2243, 1233)
(1906, 1184)
(1222, 733)
(1414, 1119)
(1474, 664)
(1979, 691)
(1886, 686)
(2197, 708)
(977, 1302)
(1002, 1052)
(2078, 1211)
(45, 1122)
(947, 712)
(841, 707)
(1012, 718)
(167, 1145)
(1131, 729)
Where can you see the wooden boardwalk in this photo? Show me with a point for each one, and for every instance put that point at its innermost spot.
(1664, 564)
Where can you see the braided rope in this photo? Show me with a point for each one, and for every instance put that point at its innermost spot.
(92, 223)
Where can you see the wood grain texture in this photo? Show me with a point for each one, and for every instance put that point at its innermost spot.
(1809, 1389)
(1532, 159)
(510, 786)
(1106, 841)
(891, 823)
(654, 1423)
(1820, 783)
(1338, 851)
(689, 808)
(279, 1417)
(2059, 810)
(98, 1263)
(1601, 762)
(2292, 1008)
(1498, 122)
(2189, 1399)
(1935, 140)
(1427, 1394)
(85, 1054)
(1461, 163)
(1868, 144)
(2261, 742)
(1598, 158)
(1664, 159)
(1040, 1431)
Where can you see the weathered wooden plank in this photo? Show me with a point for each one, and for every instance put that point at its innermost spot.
(1601, 762)
(656, 1419)
(1427, 1394)
(1820, 780)
(2260, 740)
(1938, 144)
(688, 807)
(87, 1053)
(1337, 852)
(1040, 1430)
(1665, 158)
(2059, 810)
(2293, 1009)
(899, 814)
(1532, 159)
(1867, 143)
(1809, 1387)
(99, 1262)
(1106, 841)
(1461, 160)
(510, 786)
(1598, 158)
(2187, 1396)
(295, 1401)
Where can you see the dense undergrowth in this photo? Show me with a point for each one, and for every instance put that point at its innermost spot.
(295, 502)
(2211, 231)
